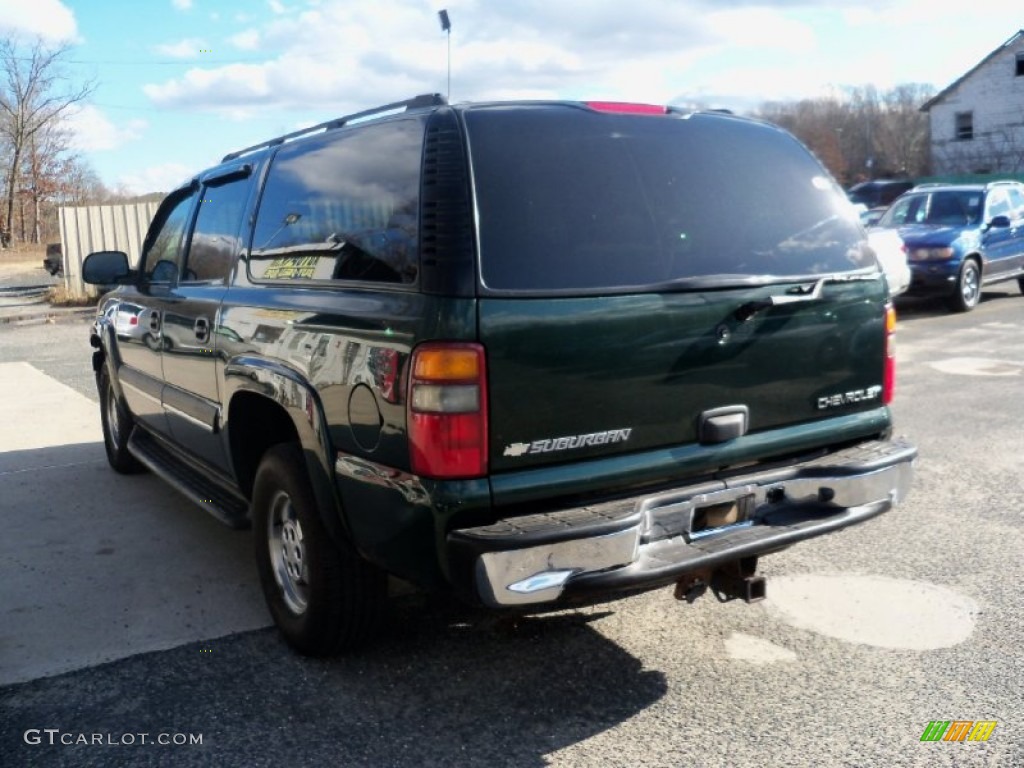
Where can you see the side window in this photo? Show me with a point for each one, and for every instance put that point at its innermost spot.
(344, 206)
(163, 259)
(997, 204)
(215, 240)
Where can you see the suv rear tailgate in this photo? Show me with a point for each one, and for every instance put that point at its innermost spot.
(609, 375)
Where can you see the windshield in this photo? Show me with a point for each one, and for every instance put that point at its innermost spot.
(945, 208)
(572, 199)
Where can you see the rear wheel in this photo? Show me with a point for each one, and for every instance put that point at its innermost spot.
(1020, 284)
(323, 596)
(968, 288)
(117, 427)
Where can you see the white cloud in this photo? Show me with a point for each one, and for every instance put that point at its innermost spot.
(183, 49)
(761, 28)
(248, 40)
(182, 5)
(337, 55)
(93, 131)
(232, 85)
(155, 178)
(49, 19)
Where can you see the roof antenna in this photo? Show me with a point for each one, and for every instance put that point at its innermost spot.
(446, 26)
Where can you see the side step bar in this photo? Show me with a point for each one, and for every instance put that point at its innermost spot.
(197, 486)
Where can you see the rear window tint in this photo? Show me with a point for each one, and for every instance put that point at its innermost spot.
(343, 206)
(571, 199)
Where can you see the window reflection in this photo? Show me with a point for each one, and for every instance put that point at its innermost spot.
(342, 207)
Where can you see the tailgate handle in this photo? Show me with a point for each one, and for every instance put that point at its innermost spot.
(722, 424)
(797, 294)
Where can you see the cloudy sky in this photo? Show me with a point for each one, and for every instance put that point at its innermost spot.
(182, 82)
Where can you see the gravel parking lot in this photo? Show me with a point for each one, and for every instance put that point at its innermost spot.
(866, 636)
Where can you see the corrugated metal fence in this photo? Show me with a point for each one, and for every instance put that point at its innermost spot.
(101, 228)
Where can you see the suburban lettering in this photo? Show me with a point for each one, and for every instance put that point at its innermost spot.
(568, 442)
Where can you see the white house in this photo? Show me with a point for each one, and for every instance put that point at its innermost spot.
(977, 123)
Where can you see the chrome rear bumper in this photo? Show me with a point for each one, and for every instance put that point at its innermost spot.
(652, 540)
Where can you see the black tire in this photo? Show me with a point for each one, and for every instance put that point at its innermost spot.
(1020, 284)
(968, 288)
(117, 428)
(323, 596)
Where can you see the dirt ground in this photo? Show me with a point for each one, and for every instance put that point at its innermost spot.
(21, 260)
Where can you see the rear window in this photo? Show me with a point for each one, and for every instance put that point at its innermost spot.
(573, 199)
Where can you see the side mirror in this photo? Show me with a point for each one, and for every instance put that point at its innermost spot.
(999, 222)
(105, 268)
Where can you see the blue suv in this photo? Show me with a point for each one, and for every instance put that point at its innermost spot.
(959, 237)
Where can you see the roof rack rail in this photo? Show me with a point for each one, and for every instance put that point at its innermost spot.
(422, 101)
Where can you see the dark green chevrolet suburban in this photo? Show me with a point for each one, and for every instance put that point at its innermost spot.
(535, 353)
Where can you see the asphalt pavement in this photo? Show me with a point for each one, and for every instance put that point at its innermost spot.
(24, 295)
(128, 618)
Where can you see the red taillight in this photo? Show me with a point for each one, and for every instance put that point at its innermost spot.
(889, 376)
(626, 107)
(133, 320)
(448, 410)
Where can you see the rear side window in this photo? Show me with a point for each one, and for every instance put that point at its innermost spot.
(343, 206)
(572, 199)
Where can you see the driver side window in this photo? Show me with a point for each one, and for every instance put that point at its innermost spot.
(163, 260)
(998, 205)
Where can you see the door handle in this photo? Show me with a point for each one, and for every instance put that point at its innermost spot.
(154, 322)
(202, 329)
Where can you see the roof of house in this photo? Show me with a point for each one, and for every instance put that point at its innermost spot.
(956, 83)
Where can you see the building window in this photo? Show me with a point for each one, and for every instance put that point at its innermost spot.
(1020, 65)
(964, 126)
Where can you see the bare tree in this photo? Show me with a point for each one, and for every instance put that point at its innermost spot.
(34, 95)
(859, 133)
(902, 134)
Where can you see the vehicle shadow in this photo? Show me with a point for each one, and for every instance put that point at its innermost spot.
(447, 686)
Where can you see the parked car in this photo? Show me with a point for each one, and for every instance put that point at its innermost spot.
(534, 353)
(960, 237)
(870, 217)
(879, 193)
(53, 261)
